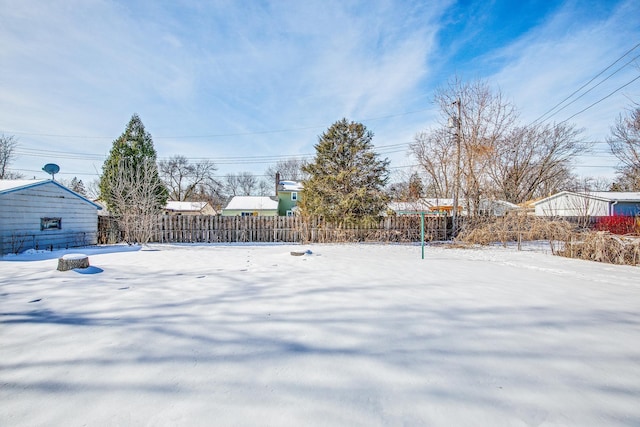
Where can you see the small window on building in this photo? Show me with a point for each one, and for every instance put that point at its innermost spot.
(289, 213)
(294, 195)
(50, 224)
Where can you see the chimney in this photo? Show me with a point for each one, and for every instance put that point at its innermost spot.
(277, 181)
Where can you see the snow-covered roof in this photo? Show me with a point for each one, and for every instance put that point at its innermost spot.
(12, 185)
(417, 206)
(290, 186)
(185, 206)
(491, 202)
(252, 203)
(15, 184)
(438, 201)
(607, 196)
(619, 196)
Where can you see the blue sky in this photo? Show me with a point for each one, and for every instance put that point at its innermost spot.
(247, 83)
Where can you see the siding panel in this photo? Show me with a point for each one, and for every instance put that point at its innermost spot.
(21, 211)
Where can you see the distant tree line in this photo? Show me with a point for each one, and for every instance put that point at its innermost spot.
(478, 149)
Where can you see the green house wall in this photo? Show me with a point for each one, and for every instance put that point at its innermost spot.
(238, 212)
(285, 203)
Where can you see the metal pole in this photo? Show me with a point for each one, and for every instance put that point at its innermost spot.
(422, 231)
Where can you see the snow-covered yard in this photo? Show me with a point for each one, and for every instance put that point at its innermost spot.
(347, 335)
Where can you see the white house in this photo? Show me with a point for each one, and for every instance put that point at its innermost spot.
(492, 207)
(251, 206)
(410, 208)
(189, 208)
(592, 204)
(43, 214)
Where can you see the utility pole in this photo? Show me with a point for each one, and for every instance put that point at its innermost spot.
(456, 185)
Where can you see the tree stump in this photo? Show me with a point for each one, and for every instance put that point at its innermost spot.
(71, 261)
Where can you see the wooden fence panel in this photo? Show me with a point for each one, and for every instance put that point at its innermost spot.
(219, 229)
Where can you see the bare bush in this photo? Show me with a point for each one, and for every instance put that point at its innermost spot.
(602, 246)
(135, 200)
(513, 228)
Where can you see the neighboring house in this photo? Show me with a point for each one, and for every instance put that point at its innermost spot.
(443, 206)
(497, 207)
(440, 206)
(43, 214)
(189, 208)
(288, 193)
(410, 208)
(251, 206)
(104, 211)
(592, 204)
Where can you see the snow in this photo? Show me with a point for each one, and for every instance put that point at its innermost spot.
(73, 256)
(189, 335)
(12, 184)
(252, 203)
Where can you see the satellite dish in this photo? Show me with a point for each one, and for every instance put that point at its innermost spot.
(52, 169)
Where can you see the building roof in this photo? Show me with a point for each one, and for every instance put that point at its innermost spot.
(607, 196)
(185, 206)
(252, 203)
(6, 185)
(12, 185)
(290, 186)
(485, 203)
(618, 196)
(417, 206)
(440, 201)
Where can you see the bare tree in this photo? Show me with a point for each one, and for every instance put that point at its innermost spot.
(135, 197)
(290, 169)
(410, 189)
(185, 180)
(248, 183)
(482, 118)
(485, 119)
(266, 188)
(231, 185)
(498, 157)
(241, 184)
(7, 155)
(624, 143)
(93, 189)
(534, 161)
(588, 184)
(435, 151)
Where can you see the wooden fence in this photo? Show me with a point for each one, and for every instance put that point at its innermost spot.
(219, 229)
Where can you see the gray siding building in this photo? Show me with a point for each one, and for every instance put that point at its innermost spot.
(43, 214)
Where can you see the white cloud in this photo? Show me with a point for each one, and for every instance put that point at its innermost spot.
(557, 58)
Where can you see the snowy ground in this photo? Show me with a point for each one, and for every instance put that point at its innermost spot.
(347, 335)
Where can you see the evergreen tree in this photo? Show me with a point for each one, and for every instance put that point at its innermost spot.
(346, 179)
(132, 152)
(415, 188)
(78, 186)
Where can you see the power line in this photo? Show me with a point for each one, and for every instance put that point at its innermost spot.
(593, 87)
(380, 149)
(601, 99)
(587, 83)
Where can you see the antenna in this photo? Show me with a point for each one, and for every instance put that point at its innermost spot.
(52, 169)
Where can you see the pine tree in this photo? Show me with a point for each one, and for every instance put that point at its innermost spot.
(78, 186)
(415, 188)
(346, 178)
(131, 152)
(130, 184)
